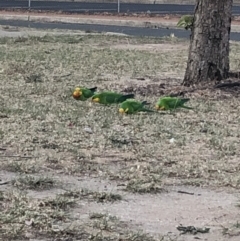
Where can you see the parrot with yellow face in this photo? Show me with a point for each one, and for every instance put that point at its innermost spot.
(83, 94)
(133, 106)
(170, 103)
(108, 97)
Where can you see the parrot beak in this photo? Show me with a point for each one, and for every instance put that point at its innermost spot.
(95, 100)
(157, 107)
(77, 93)
(121, 110)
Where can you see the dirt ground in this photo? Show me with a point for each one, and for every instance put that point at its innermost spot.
(105, 15)
(73, 170)
(123, 19)
(146, 20)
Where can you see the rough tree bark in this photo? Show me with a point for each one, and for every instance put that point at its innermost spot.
(208, 58)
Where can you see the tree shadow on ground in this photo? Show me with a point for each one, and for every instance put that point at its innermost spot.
(172, 87)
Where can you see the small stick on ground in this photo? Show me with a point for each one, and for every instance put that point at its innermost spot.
(16, 156)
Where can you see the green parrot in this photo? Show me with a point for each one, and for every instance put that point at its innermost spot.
(170, 103)
(108, 97)
(186, 21)
(133, 106)
(83, 93)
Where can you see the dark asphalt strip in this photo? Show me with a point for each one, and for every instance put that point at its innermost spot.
(133, 31)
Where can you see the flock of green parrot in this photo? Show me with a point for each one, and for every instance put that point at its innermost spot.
(128, 105)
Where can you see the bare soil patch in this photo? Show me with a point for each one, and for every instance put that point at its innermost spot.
(75, 170)
(143, 17)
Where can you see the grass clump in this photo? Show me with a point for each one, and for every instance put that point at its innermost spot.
(21, 214)
(33, 182)
(93, 196)
(21, 166)
(111, 228)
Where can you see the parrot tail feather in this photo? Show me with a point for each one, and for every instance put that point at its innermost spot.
(125, 97)
(148, 110)
(184, 100)
(146, 103)
(187, 107)
(93, 89)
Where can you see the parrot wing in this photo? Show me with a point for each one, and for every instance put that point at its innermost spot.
(87, 93)
(93, 89)
(105, 97)
(111, 98)
(136, 106)
(176, 102)
(122, 98)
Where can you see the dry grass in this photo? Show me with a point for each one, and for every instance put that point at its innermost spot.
(44, 130)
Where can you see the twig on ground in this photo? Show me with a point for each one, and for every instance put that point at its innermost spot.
(22, 157)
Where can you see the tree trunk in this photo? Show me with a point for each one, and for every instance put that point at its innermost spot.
(208, 58)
